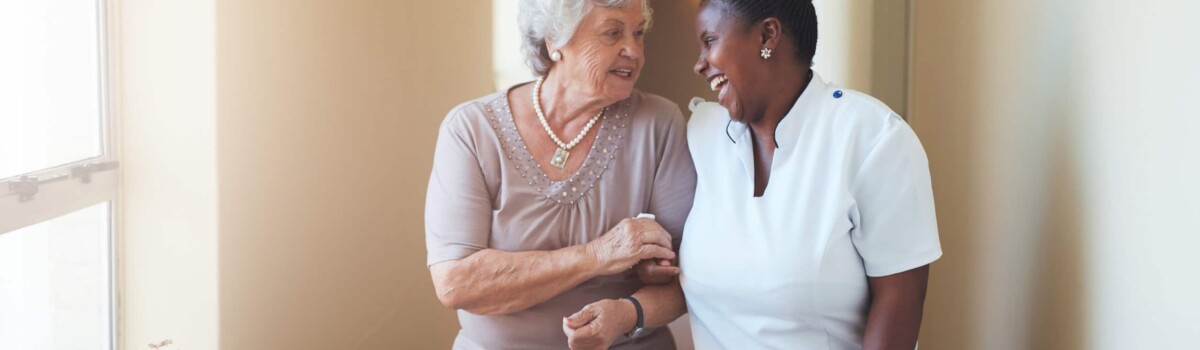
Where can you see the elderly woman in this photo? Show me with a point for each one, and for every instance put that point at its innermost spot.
(531, 202)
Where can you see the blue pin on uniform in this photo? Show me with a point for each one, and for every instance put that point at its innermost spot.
(837, 94)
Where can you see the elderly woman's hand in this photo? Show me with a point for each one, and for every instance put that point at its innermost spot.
(631, 241)
(598, 324)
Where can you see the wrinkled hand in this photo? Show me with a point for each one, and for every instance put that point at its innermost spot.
(656, 271)
(598, 324)
(631, 241)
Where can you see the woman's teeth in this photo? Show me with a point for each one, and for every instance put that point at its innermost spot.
(624, 72)
(716, 82)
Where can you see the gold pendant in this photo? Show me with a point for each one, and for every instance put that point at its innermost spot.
(560, 158)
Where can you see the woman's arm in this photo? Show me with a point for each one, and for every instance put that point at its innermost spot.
(598, 324)
(661, 304)
(897, 301)
(497, 282)
(493, 282)
(895, 228)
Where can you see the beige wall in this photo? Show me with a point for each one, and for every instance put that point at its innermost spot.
(671, 51)
(844, 44)
(276, 155)
(1063, 157)
(863, 45)
(889, 53)
(166, 106)
(328, 115)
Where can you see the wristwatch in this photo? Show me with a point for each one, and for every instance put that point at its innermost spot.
(638, 328)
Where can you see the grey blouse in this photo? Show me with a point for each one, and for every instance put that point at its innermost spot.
(487, 192)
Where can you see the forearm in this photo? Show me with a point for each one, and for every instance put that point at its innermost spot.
(897, 302)
(492, 282)
(661, 304)
(892, 325)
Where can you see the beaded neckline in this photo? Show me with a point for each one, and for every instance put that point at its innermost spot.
(612, 124)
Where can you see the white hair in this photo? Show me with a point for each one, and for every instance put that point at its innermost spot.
(554, 22)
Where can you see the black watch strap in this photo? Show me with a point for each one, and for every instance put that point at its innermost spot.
(640, 316)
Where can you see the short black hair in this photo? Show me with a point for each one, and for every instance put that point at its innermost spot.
(798, 17)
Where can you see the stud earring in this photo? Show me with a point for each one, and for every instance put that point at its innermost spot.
(765, 53)
(556, 56)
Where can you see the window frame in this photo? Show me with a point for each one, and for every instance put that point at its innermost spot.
(63, 189)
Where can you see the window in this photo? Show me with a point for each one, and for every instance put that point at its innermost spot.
(57, 177)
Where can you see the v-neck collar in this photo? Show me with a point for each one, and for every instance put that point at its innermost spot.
(806, 105)
(613, 127)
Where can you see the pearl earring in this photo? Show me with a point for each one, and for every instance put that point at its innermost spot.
(556, 56)
(765, 53)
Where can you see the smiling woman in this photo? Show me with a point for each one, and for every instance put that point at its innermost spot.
(530, 205)
(844, 265)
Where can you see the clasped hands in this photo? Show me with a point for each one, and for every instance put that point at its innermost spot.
(639, 243)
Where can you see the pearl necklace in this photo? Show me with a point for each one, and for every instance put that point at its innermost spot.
(559, 160)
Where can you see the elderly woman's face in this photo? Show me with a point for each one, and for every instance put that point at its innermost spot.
(605, 55)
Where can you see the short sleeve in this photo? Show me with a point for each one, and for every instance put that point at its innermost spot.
(457, 203)
(895, 226)
(674, 180)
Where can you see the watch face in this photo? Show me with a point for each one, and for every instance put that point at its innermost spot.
(636, 332)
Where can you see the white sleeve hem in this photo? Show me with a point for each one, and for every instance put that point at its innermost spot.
(905, 265)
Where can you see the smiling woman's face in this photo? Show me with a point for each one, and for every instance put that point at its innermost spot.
(729, 62)
(604, 58)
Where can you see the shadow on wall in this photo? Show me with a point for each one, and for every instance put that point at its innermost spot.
(1057, 312)
(1057, 316)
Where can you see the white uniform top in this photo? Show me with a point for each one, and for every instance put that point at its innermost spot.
(849, 197)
